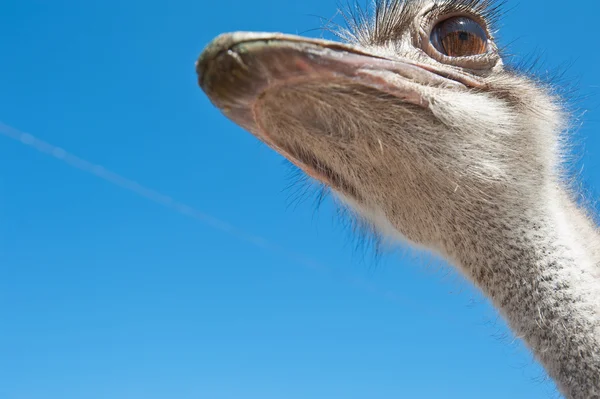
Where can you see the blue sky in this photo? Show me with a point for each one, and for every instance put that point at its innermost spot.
(105, 294)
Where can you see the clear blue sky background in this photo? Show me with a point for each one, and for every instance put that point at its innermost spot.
(104, 294)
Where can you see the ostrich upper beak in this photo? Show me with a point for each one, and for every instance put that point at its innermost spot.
(237, 68)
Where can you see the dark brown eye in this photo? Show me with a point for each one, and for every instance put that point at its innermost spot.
(459, 37)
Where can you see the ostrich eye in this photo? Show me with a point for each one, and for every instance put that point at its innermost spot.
(459, 37)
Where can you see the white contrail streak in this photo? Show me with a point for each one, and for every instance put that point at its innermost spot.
(169, 202)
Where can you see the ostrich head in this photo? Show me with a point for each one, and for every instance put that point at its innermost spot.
(415, 122)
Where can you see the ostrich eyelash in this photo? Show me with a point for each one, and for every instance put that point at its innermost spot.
(382, 22)
(489, 10)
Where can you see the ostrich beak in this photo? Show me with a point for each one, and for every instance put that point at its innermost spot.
(237, 68)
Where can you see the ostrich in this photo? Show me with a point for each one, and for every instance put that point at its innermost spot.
(416, 124)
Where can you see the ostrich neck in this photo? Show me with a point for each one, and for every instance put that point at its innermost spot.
(541, 268)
